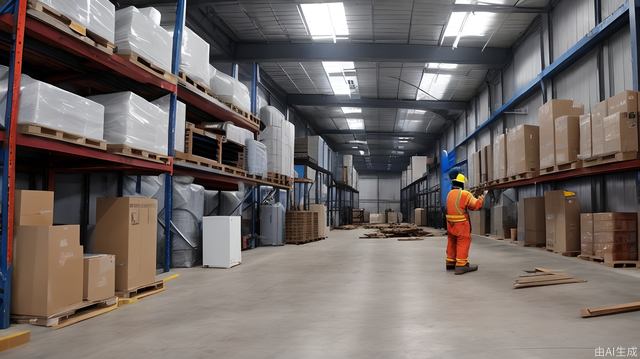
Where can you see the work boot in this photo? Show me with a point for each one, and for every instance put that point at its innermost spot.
(466, 268)
(451, 266)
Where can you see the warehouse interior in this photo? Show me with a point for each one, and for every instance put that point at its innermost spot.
(283, 179)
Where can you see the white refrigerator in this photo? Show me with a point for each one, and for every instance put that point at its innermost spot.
(221, 241)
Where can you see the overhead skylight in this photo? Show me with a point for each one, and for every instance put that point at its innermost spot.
(342, 76)
(325, 21)
(355, 123)
(348, 110)
(435, 85)
(436, 65)
(361, 152)
(463, 24)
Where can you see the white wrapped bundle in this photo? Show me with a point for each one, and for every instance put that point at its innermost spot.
(181, 118)
(98, 16)
(133, 121)
(194, 56)
(153, 13)
(237, 134)
(229, 89)
(278, 139)
(45, 105)
(256, 157)
(137, 33)
(268, 114)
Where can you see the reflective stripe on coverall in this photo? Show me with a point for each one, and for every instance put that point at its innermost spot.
(458, 227)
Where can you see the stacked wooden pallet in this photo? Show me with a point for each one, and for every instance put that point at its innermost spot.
(301, 227)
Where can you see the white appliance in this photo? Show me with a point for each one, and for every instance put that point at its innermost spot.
(221, 241)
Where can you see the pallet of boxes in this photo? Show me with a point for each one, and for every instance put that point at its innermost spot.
(562, 222)
(301, 227)
(559, 122)
(278, 136)
(610, 238)
(54, 284)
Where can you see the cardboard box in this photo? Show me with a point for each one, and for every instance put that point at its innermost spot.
(504, 218)
(127, 228)
(392, 217)
(47, 273)
(567, 134)
(586, 233)
(625, 101)
(547, 115)
(478, 221)
(614, 221)
(377, 218)
(620, 133)
(99, 276)
(420, 216)
(321, 209)
(475, 169)
(487, 163)
(562, 221)
(585, 137)
(598, 113)
(500, 157)
(616, 246)
(531, 222)
(523, 150)
(33, 208)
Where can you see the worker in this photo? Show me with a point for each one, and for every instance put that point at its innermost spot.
(459, 202)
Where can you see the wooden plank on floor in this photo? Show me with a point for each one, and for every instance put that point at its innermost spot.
(551, 282)
(543, 278)
(609, 309)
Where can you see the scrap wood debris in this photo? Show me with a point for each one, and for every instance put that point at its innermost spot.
(609, 309)
(399, 231)
(542, 277)
(347, 227)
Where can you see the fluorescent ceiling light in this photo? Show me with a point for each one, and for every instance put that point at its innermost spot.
(325, 21)
(401, 147)
(358, 142)
(405, 138)
(354, 147)
(361, 152)
(436, 65)
(403, 141)
(469, 24)
(342, 76)
(433, 84)
(348, 110)
(355, 123)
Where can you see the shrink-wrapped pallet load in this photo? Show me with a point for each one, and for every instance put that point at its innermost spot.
(228, 89)
(138, 33)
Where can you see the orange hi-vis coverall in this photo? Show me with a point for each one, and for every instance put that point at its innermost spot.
(459, 202)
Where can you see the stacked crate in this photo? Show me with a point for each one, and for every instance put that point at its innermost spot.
(301, 227)
(610, 237)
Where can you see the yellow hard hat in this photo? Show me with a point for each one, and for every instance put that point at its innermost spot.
(461, 178)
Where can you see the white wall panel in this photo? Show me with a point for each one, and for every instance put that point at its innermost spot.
(380, 192)
(508, 82)
(461, 132)
(617, 59)
(496, 94)
(570, 21)
(609, 6)
(484, 138)
(526, 60)
(483, 105)
(471, 119)
(579, 82)
(450, 138)
(531, 106)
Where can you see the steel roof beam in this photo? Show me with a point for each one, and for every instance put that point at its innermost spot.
(344, 101)
(369, 52)
(421, 135)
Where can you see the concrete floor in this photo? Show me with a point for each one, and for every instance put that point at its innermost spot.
(361, 298)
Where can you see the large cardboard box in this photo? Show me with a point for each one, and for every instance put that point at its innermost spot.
(127, 228)
(99, 276)
(486, 160)
(392, 217)
(321, 209)
(620, 133)
(585, 137)
(562, 221)
(547, 115)
(616, 246)
(500, 157)
(531, 222)
(377, 218)
(47, 273)
(503, 218)
(567, 139)
(33, 208)
(615, 221)
(420, 216)
(598, 113)
(522, 150)
(478, 221)
(625, 101)
(586, 233)
(475, 169)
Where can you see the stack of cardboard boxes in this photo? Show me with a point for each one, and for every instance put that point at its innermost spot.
(479, 223)
(559, 122)
(420, 216)
(500, 157)
(531, 222)
(523, 144)
(609, 236)
(562, 221)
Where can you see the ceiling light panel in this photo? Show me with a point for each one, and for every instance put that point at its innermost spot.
(434, 85)
(348, 110)
(442, 66)
(355, 123)
(463, 24)
(325, 21)
(342, 77)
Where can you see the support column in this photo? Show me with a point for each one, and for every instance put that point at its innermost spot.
(255, 78)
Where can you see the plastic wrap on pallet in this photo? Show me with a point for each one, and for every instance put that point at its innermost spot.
(137, 33)
(228, 89)
(45, 105)
(269, 114)
(188, 210)
(98, 16)
(231, 203)
(237, 134)
(133, 121)
(279, 139)
(272, 224)
(211, 203)
(152, 13)
(256, 157)
(194, 56)
(181, 115)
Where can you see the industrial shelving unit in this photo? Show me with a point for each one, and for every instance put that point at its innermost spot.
(322, 177)
(342, 200)
(35, 45)
(420, 195)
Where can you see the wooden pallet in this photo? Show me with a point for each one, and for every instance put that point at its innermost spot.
(149, 66)
(613, 264)
(247, 115)
(192, 133)
(128, 151)
(279, 179)
(521, 176)
(614, 157)
(71, 315)
(570, 253)
(592, 258)
(54, 18)
(191, 83)
(561, 168)
(141, 291)
(197, 160)
(58, 135)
